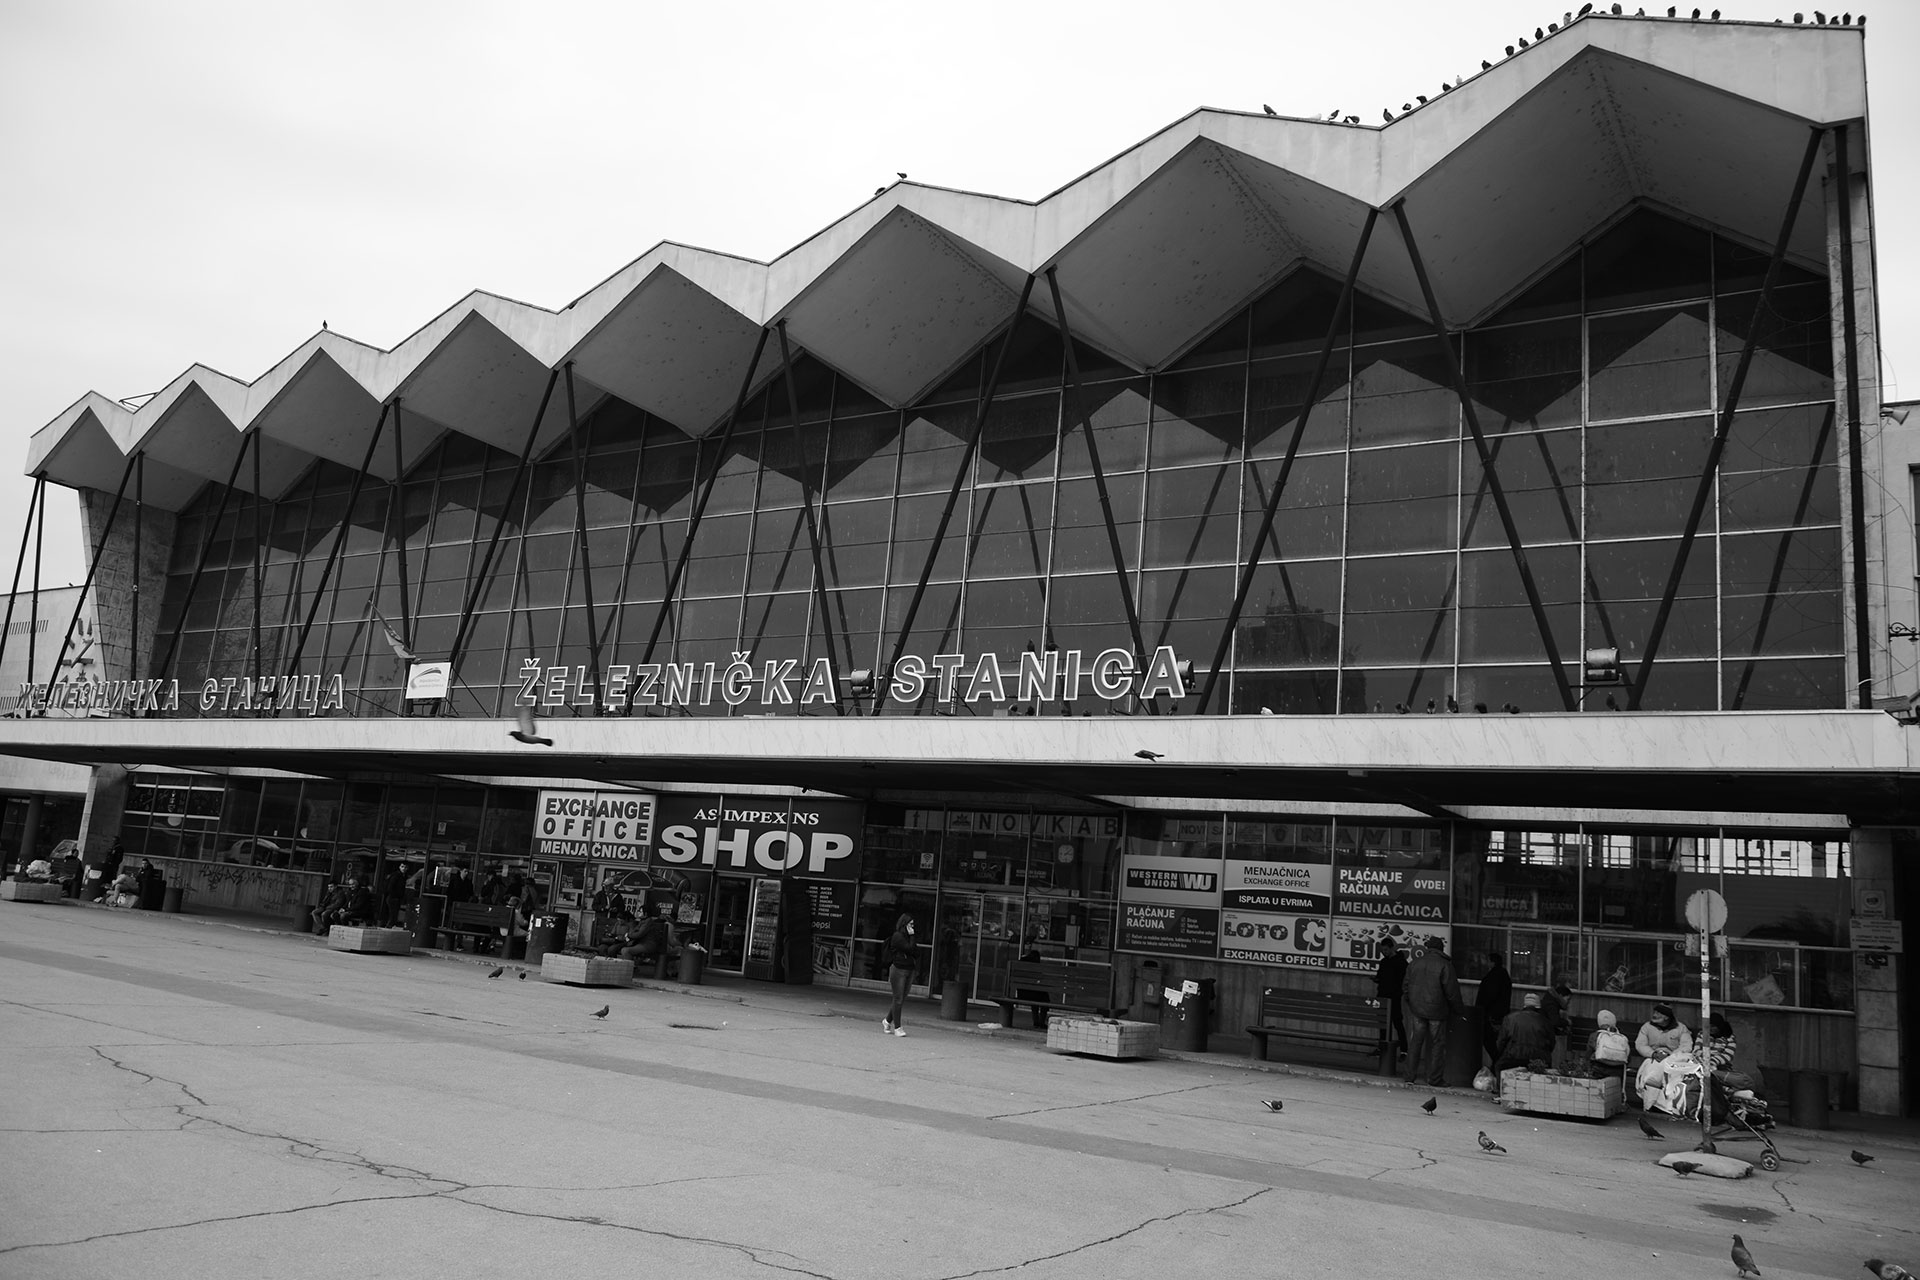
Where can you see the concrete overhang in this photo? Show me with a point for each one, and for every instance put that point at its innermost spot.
(1500, 175)
(1863, 764)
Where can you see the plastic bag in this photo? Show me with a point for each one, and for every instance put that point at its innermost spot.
(1483, 1080)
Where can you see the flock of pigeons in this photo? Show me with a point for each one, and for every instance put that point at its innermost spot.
(1742, 1256)
(1568, 19)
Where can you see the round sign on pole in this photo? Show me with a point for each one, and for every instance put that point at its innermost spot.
(1706, 911)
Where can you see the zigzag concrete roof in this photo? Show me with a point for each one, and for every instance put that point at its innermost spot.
(1499, 178)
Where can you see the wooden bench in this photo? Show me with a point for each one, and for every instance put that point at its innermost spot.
(1307, 1015)
(1057, 986)
(476, 920)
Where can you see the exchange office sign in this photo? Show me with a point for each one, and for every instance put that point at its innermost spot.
(610, 826)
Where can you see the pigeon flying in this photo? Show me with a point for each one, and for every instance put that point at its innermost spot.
(1649, 1130)
(1430, 1106)
(1742, 1259)
(497, 972)
(1271, 1104)
(1488, 1144)
(1888, 1270)
(603, 1011)
(524, 732)
(1860, 1157)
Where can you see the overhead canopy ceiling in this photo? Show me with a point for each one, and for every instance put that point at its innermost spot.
(1500, 177)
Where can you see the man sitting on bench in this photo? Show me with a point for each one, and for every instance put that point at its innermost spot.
(651, 939)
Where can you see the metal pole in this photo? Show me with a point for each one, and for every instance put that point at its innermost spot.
(399, 518)
(580, 452)
(1252, 565)
(339, 540)
(883, 679)
(506, 511)
(700, 504)
(1637, 690)
(33, 605)
(206, 545)
(1706, 1034)
(139, 522)
(259, 561)
(20, 564)
(93, 568)
(813, 528)
(1856, 481)
(1099, 479)
(1459, 375)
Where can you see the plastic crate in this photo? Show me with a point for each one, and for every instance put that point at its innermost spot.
(1103, 1037)
(1578, 1096)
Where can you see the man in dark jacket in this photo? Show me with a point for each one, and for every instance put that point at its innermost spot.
(1432, 996)
(1389, 982)
(1526, 1035)
(1494, 1001)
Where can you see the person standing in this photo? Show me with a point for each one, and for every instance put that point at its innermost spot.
(902, 955)
(1389, 982)
(1494, 1001)
(1432, 996)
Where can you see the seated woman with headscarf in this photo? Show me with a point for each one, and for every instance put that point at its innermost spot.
(1661, 1036)
(1608, 1048)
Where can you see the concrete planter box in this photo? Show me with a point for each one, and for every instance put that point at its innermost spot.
(1103, 1037)
(1522, 1090)
(391, 942)
(586, 971)
(28, 891)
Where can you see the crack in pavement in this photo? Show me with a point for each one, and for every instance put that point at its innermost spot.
(1105, 1102)
(1790, 1206)
(1199, 1211)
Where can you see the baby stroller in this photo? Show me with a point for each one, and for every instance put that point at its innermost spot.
(1740, 1115)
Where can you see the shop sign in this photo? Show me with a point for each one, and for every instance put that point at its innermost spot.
(1191, 882)
(1356, 943)
(1168, 930)
(1064, 826)
(1297, 942)
(831, 904)
(1276, 885)
(428, 680)
(611, 826)
(765, 836)
(312, 694)
(1060, 674)
(1391, 892)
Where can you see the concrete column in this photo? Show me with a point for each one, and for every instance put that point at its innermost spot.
(1876, 987)
(30, 830)
(113, 583)
(100, 817)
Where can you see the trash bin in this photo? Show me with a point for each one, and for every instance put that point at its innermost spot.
(546, 933)
(303, 920)
(953, 1000)
(1146, 988)
(1464, 1050)
(693, 965)
(170, 901)
(1184, 1025)
(1807, 1106)
(426, 918)
(153, 893)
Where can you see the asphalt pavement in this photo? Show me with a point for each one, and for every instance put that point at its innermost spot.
(190, 1099)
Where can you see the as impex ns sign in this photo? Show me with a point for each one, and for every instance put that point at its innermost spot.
(614, 826)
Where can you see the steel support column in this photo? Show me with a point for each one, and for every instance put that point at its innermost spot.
(580, 452)
(139, 523)
(1252, 566)
(1711, 469)
(1458, 373)
(883, 679)
(93, 566)
(813, 527)
(20, 561)
(700, 504)
(206, 545)
(397, 515)
(339, 540)
(259, 560)
(1099, 478)
(1856, 474)
(479, 583)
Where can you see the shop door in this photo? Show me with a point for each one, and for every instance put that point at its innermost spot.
(732, 900)
(995, 941)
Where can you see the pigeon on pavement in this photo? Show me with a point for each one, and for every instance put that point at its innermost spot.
(1488, 1144)
(1271, 1104)
(1649, 1130)
(523, 975)
(1860, 1157)
(1888, 1270)
(1430, 1105)
(497, 972)
(1706, 1145)
(1684, 1167)
(1742, 1259)
(603, 1011)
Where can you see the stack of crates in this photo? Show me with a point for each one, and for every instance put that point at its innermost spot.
(1586, 1099)
(1103, 1037)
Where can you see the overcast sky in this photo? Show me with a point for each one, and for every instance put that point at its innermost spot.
(208, 182)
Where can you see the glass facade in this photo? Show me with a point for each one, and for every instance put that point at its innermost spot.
(1387, 579)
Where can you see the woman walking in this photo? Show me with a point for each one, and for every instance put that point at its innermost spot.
(902, 955)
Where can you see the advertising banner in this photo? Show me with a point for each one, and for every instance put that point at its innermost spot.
(613, 826)
(1169, 930)
(1297, 942)
(1174, 882)
(831, 904)
(762, 835)
(1392, 889)
(1356, 943)
(1280, 885)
